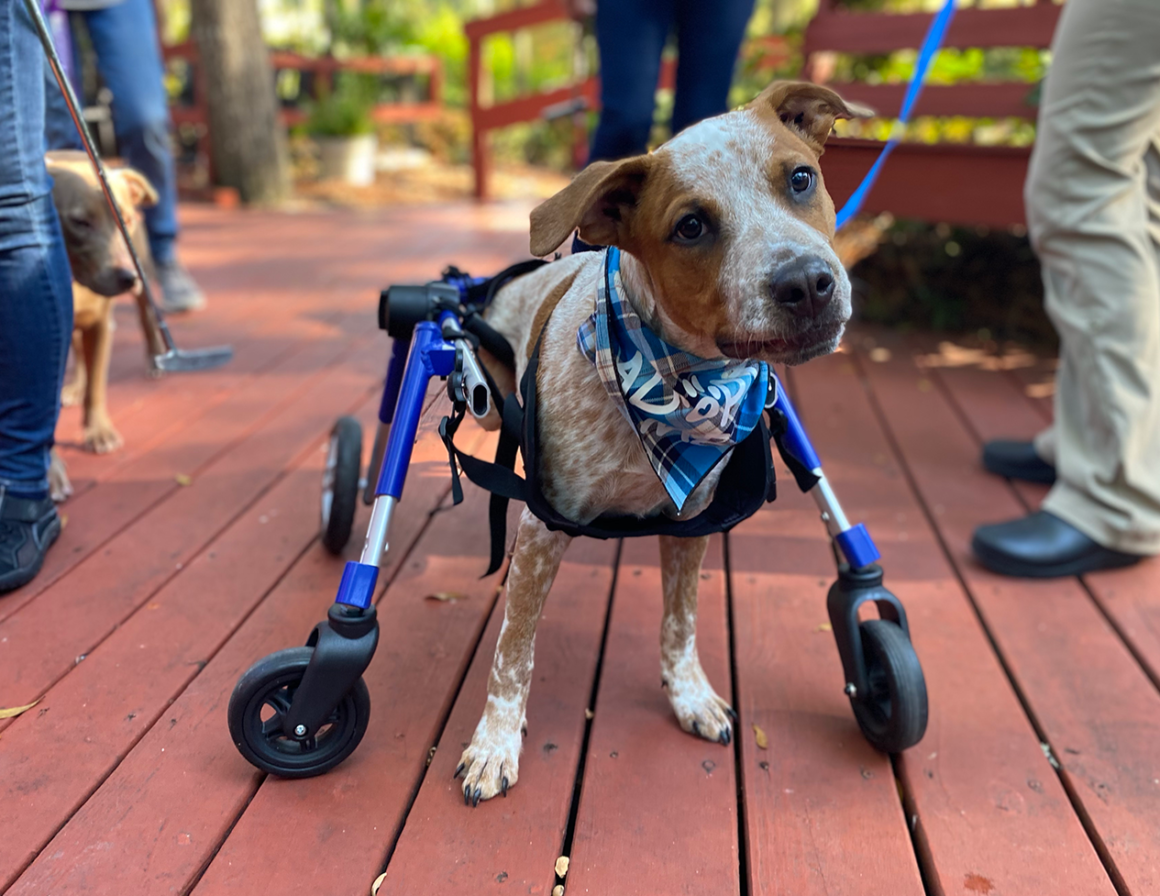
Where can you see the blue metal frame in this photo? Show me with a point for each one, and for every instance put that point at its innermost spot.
(853, 541)
(431, 355)
(426, 354)
(395, 368)
(413, 363)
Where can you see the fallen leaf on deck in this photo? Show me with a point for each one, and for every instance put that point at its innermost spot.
(759, 736)
(824, 627)
(558, 890)
(447, 596)
(378, 883)
(562, 866)
(63, 521)
(182, 479)
(16, 710)
(879, 355)
(589, 714)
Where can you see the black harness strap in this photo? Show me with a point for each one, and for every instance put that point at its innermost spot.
(746, 482)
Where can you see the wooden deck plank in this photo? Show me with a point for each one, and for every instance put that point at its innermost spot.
(1131, 597)
(989, 811)
(165, 810)
(1094, 704)
(94, 518)
(423, 653)
(822, 810)
(658, 807)
(245, 447)
(104, 707)
(176, 403)
(511, 844)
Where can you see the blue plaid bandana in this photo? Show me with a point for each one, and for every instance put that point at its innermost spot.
(689, 412)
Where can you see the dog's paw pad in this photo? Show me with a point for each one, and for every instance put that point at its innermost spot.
(489, 768)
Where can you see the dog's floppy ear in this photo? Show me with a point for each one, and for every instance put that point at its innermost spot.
(141, 191)
(599, 201)
(808, 109)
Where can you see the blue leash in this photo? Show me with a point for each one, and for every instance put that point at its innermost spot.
(930, 44)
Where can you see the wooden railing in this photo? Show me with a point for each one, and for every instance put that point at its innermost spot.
(581, 95)
(961, 183)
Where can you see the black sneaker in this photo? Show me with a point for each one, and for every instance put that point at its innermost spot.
(27, 528)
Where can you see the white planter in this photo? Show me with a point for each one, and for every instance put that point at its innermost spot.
(349, 159)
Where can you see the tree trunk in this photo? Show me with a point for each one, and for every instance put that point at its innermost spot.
(248, 142)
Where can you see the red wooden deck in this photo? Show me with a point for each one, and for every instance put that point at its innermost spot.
(194, 551)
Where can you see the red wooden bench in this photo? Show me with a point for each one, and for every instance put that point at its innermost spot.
(962, 183)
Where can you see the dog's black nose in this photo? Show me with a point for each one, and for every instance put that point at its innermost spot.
(124, 279)
(804, 286)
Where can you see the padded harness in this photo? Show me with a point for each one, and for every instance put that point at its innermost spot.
(746, 483)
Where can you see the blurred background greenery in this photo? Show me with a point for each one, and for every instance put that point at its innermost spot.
(928, 276)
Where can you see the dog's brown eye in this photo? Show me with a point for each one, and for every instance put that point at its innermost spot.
(79, 223)
(690, 228)
(801, 180)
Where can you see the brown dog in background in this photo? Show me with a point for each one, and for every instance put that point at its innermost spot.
(102, 269)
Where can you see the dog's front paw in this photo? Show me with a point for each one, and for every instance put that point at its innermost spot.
(699, 710)
(101, 438)
(491, 764)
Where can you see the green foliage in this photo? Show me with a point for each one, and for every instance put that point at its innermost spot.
(345, 111)
(956, 279)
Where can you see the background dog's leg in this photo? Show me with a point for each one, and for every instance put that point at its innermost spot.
(100, 436)
(491, 762)
(59, 486)
(698, 708)
(74, 389)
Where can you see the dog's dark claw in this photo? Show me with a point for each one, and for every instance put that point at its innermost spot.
(475, 797)
(467, 794)
(724, 737)
(696, 729)
(459, 770)
(732, 713)
(503, 786)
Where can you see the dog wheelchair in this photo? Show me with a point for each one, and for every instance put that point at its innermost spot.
(299, 712)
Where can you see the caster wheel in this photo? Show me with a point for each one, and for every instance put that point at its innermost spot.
(340, 483)
(265, 693)
(893, 715)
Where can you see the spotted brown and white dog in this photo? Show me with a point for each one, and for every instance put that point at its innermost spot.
(725, 234)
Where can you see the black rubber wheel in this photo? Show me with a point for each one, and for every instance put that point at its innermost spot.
(265, 692)
(340, 483)
(893, 715)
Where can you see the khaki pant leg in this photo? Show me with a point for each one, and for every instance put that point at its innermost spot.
(1093, 195)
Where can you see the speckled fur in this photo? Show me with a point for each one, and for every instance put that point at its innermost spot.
(592, 463)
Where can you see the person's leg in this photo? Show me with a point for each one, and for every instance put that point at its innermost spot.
(124, 38)
(35, 307)
(59, 130)
(1088, 214)
(709, 36)
(631, 35)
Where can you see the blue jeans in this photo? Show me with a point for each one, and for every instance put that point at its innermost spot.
(124, 37)
(631, 35)
(35, 283)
